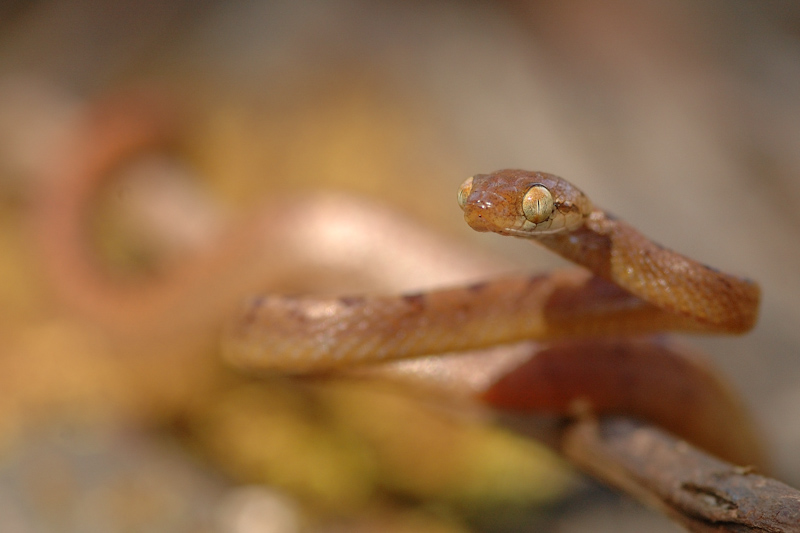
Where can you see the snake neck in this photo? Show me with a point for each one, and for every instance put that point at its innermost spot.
(617, 252)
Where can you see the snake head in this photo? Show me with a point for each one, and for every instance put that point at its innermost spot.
(522, 204)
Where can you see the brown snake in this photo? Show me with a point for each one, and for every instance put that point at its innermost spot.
(637, 287)
(629, 286)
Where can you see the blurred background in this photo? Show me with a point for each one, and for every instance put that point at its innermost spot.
(681, 117)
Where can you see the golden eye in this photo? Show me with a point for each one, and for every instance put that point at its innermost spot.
(537, 204)
(463, 192)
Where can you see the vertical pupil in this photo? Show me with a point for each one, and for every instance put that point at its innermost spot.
(537, 204)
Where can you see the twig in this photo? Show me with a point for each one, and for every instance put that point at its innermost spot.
(700, 492)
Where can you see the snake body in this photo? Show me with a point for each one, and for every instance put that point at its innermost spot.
(626, 285)
(632, 286)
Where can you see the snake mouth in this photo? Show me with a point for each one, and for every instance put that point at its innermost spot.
(528, 230)
(513, 232)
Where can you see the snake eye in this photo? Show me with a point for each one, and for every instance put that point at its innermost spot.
(463, 192)
(537, 204)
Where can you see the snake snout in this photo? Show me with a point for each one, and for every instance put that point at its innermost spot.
(486, 212)
(476, 222)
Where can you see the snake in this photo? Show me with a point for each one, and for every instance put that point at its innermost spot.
(628, 285)
(590, 324)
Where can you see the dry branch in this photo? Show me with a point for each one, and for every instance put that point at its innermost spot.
(700, 492)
